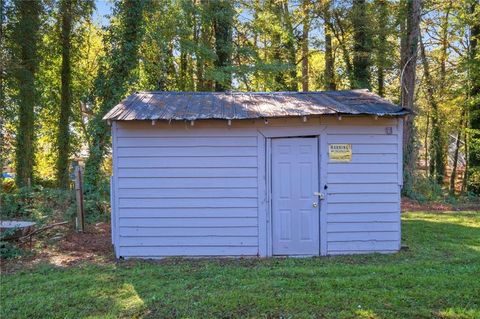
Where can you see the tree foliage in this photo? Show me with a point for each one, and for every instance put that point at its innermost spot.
(62, 71)
(116, 76)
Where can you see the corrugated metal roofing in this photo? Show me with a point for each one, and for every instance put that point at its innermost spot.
(239, 105)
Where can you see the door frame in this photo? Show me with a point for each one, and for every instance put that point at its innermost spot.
(265, 137)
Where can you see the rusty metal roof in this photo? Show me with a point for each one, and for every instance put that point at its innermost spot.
(239, 105)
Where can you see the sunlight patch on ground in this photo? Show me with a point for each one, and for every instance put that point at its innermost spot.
(476, 248)
(464, 218)
(129, 299)
(456, 313)
(366, 314)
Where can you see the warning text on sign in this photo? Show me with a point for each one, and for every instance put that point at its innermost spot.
(340, 152)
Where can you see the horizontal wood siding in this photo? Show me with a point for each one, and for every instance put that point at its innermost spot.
(363, 210)
(186, 192)
(183, 190)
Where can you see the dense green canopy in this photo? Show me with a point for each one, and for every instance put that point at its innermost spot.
(61, 71)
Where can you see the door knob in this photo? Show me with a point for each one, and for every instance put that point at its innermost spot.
(314, 204)
(320, 195)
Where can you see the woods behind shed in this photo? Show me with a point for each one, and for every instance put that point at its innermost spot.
(255, 174)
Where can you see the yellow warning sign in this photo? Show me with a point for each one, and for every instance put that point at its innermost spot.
(340, 152)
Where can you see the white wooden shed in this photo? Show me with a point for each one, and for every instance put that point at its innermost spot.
(256, 174)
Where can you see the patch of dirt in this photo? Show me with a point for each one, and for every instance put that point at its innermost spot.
(409, 205)
(64, 247)
(95, 240)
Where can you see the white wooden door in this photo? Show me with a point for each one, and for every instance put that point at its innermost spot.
(295, 208)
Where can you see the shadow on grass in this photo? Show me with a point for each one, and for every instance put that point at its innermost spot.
(436, 277)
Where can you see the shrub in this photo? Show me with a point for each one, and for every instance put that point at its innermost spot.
(97, 204)
(47, 205)
(474, 180)
(39, 204)
(9, 250)
(45, 183)
(426, 190)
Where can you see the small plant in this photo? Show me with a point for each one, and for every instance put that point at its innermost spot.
(427, 190)
(8, 249)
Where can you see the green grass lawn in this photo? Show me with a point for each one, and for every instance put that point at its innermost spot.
(438, 277)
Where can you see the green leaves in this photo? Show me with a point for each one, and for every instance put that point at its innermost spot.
(114, 80)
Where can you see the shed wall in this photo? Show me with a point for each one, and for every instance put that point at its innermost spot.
(363, 195)
(186, 191)
(201, 190)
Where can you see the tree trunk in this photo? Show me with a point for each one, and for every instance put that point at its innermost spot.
(409, 43)
(444, 48)
(361, 47)
(223, 28)
(168, 67)
(305, 50)
(197, 36)
(340, 35)
(182, 76)
(453, 175)
(26, 36)
(329, 73)
(290, 48)
(427, 130)
(3, 62)
(437, 146)
(380, 43)
(63, 138)
(467, 166)
(279, 78)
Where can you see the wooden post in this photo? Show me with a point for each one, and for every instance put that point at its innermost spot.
(80, 219)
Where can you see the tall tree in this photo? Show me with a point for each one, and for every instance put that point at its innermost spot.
(204, 47)
(223, 13)
(3, 59)
(329, 72)
(362, 45)
(437, 145)
(276, 49)
(198, 33)
(410, 22)
(453, 175)
(305, 49)
(63, 135)
(380, 44)
(341, 29)
(26, 37)
(114, 80)
(289, 45)
(185, 30)
(444, 43)
(282, 49)
(162, 25)
(474, 111)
